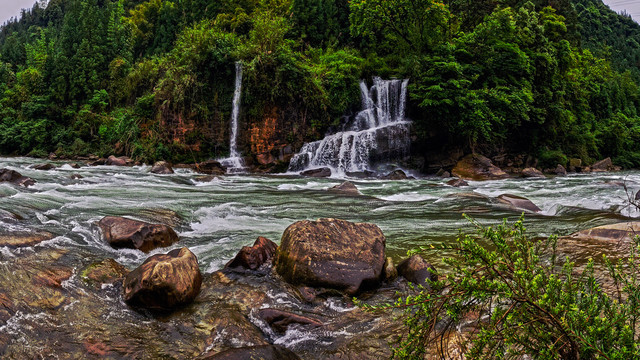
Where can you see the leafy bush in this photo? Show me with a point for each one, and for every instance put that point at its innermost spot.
(525, 302)
(551, 158)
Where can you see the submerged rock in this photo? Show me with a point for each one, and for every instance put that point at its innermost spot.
(457, 183)
(121, 232)
(395, 175)
(518, 202)
(76, 177)
(532, 173)
(280, 320)
(15, 178)
(164, 281)
(318, 173)
(162, 167)
(210, 167)
(417, 270)
(104, 272)
(262, 251)
(346, 188)
(332, 253)
(263, 352)
(477, 167)
(44, 167)
(625, 231)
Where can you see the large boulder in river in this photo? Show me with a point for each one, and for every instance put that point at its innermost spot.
(518, 202)
(317, 173)
(116, 161)
(261, 352)
(346, 188)
(15, 178)
(417, 270)
(262, 251)
(162, 167)
(164, 281)
(210, 167)
(121, 232)
(44, 167)
(625, 231)
(333, 254)
(602, 165)
(477, 167)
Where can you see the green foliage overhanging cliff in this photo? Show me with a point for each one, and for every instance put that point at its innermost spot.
(154, 79)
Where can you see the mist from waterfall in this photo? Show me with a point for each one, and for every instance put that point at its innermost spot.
(234, 162)
(378, 133)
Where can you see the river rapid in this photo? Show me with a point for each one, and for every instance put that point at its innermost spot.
(214, 219)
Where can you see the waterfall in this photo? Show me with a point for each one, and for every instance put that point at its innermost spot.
(378, 133)
(234, 162)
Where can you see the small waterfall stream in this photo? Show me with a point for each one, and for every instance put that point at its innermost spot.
(378, 133)
(234, 163)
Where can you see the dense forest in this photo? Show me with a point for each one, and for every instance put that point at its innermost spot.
(155, 79)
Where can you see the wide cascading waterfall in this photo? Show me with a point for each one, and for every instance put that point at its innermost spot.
(234, 163)
(376, 134)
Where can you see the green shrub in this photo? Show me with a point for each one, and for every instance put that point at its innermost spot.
(551, 158)
(524, 302)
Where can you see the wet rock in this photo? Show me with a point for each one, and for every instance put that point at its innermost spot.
(280, 320)
(262, 251)
(208, 178)
(52, 156)
(160, 216)
(625, 231)
(210, 167)
(317, 173)
(602, 165)
(457, 183)
(477, 167)
(323, 254)
(162, 167)
(74, 165)
(98, 162)
(417, 270)
(395, 175)
(532, 173)
(390, 271)
(346, 188)
(164, 281)
(104, 272)
(518, 202)
(76, 177)
(116, 161)
(24, 239)
(15, 178)
(121, 232)
(52, 277)
(263, 352)
(366, 174)
(227, 327)
(560, 170)
(44, 167)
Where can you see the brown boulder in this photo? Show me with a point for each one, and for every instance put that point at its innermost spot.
(390, 271)
(532, 173)
(211, 167)
(24, 239)
(317, 173)
(457, 183)
(15, 178)
(44, 167)
(346, 188)
(262, 352)
(121, 232)
(560, 170)
(477, 167)
(602, 165)
(518, 202)
(114, 161)
(164, 281)
(417, 270)
(615, 232)
(280, 320)
(332, 253)
(395, 175)
(162, 167)
(262, 251)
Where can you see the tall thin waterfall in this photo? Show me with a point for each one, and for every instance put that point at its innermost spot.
(378, 133)
(234, 162)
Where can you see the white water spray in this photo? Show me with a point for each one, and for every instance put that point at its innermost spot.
(378, 133)
(234, 163)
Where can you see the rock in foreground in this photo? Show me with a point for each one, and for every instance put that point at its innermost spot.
(164, 281)
(332, 253)
(262, 251)
(263, 352)
(615, 232)
(121, 232)
(15, 178)
(417, 270)
(24, 239)
(477, 167)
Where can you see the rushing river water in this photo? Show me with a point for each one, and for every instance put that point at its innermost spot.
(216, 218)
